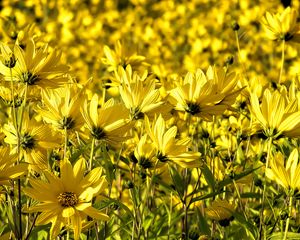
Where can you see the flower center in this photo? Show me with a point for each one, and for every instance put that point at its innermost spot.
(10, 62)
(98, 133)
(193, 108)
(67, 122)
(29, 78)
(161, 157)
(67, 199)
(27, 141)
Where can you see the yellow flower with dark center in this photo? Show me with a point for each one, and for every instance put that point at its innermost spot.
(67, 200)
(275, 114)
(32, 66)
(145, 154)
(282, 26)
(109, 123)
(62, 108)
(8, 170)
(221, 211)
(205, 95)
(285, 174)
(168, 147)
(140, 97)
(35, 139)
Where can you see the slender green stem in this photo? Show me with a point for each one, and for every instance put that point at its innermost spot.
(92, 154)
(23, 107)
(66, 141)
(289, 216)
(282, 60)
(240, 199)
(264, 191)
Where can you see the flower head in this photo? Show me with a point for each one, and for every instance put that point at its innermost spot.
(282, 26)
(67, 200)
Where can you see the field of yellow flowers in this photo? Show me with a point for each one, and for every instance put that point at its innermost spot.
(146, 119)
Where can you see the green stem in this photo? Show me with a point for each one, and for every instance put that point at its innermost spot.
(264, 191)
(66, 142)
(282, 60)
(240, 199)
(289, 216)
(92, 154)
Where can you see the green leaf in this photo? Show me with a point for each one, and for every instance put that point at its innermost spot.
(251, 195)
(279, 235)
(177, 181)
(202, 223)
(209, 177)
(209, 195)
(250, 228)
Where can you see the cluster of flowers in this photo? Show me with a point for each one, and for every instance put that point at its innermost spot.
(138, 151)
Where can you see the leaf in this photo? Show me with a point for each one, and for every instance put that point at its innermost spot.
(290, 235)
(236, 177)
(209, 177)
(250, 228)
(177, 181)
(209, 195)
(202, 223)
(251, 195)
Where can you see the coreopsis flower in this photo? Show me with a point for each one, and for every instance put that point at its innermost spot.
(221, 211)
(141, 98)
(120, 57)
(168, 147)
(8, 170)
(276, 115)
(67, 200)
(205, 95)
(35, 140)
(32, 66)
(62, 108)
(109, 123)
(282, 26)
(285, 174)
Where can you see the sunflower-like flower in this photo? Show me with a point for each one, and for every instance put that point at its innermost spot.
(168, 147)
(140, 97)
(276, 115)
(119, 57)
(287, 175)
(8, 170)
(109, 123)
(221, 211)
(62, 108)
(32, 66)
(67, 200)
(35, 140)
(282, 26)
(205, 95)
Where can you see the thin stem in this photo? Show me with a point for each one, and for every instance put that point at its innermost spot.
(264, 191)
(240, 199)
(282, 60)
(92, 154)
(289, 216)
(66, 141)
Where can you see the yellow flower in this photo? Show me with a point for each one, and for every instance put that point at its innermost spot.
(119, 57)
(141, 97)
(67, 200)
(288, 176)
(35, 67)
(168, 148)
(62, 108)
(282, 26)
(205, 95)
(276, 115)
(109, 123)
(220, 210)
(35, 140)
(7, 169)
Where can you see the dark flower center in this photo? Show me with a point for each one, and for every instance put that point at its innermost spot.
(193, 108)
(145, 163)
(98, 133)
(10, 62)
(27, 141)
(67, 122)
(67, 199)
(30, 78)
(161, 157)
